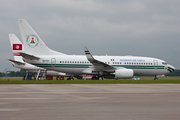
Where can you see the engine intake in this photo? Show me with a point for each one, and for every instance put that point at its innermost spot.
(124, 73)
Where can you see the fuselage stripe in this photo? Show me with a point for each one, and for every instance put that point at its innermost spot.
(89, 65)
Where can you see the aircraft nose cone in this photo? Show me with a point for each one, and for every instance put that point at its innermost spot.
(171, 68)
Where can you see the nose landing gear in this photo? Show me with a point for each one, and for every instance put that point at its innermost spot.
(155, 78)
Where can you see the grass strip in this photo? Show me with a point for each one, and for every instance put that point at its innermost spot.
(143, 80)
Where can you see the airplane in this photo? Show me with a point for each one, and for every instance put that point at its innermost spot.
(18, 62)
(109, 67)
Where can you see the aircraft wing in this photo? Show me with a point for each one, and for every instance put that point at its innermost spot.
(27, 56)
(16, 62)
(97, 63)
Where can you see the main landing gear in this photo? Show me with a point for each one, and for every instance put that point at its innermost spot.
(97, 78)
(155, 78)
(70, 78)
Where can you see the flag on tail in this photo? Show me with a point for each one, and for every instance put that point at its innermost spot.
(17, 46)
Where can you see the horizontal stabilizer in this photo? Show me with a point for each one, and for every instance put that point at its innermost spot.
(17, 62)
(27, 56)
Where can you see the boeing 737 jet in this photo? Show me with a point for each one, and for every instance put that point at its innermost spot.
(18, 62)
(113, 67)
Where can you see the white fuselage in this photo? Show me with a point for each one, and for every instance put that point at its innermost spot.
(78, 64)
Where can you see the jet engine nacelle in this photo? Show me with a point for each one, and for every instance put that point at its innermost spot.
(124, 73)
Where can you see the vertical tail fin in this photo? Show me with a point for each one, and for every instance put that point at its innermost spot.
(32, 42)
(16, 47)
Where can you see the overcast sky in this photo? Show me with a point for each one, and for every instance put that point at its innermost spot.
(148, 28)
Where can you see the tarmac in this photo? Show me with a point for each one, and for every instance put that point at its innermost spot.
(90, 102)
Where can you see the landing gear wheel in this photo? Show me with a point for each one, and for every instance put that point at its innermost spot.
(70, 78)
(100, 78)
(155, 78)
(97, 78)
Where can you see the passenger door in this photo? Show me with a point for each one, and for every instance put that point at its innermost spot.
(155, 62)
(53, 61)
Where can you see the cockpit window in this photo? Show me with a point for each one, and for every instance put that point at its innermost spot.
(164, 63)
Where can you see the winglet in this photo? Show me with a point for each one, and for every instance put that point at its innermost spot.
(88, 54)
(96, 62)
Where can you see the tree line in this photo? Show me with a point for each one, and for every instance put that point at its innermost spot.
(13, 73)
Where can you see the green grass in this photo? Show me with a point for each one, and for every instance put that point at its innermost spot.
(143, 80)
